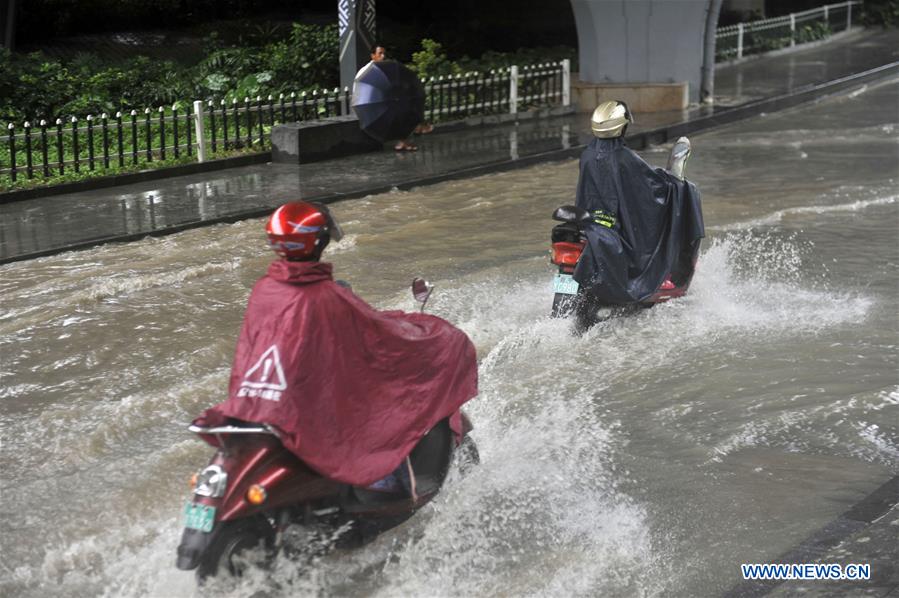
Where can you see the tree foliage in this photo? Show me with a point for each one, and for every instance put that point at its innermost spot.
(432, 60)
(36, 86)
(881, 12)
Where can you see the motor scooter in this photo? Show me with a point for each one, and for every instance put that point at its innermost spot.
(568, 241)
(256, 498)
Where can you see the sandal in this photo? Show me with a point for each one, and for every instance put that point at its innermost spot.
(402, 146)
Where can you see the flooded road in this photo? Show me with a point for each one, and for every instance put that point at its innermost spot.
(651, 456)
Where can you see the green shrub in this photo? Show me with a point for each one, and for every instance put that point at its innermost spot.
(34, 86)
(522, 56)
(812, 32)
(432, 61)
(308, 58)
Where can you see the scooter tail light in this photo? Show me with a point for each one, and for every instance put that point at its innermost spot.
(193, 480)
(256, 494)
(566, 254)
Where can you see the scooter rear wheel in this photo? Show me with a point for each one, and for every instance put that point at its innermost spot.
(563, 305)
(234, 550)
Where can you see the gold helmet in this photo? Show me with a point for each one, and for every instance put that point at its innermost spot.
(610, 119)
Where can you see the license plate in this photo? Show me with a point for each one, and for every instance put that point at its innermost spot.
(564, 283)
(199, 517)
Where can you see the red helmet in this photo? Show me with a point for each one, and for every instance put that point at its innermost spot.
(300, 230)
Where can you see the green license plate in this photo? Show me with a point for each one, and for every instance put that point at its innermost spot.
(199, 517)
(564, 283)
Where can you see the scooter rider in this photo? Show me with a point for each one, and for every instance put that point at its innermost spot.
(596, 189)
(646, 221)
(349, 389)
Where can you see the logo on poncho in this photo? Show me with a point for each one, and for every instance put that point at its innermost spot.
(265, 379)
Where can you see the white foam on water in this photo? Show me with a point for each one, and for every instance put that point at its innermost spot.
(115, 287)
(881, 440)
(748, 140)
(84, 433)
(780, 215)
(831, 427)
(346, 244)
(131, 560)
(104, 284)
(890, 398)
(857, 92)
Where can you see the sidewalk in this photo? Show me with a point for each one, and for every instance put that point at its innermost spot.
(50, 225)
(865, 534)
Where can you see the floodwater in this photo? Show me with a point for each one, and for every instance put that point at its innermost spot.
(651, 456)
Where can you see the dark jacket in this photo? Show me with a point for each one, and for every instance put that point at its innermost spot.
(646, 223)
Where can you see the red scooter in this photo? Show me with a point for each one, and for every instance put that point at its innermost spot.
(256, 498)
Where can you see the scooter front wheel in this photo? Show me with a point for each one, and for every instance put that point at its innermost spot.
(239, 545)
(467, 456)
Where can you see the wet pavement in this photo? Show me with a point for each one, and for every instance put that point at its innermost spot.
(49, 225)
(764, 77)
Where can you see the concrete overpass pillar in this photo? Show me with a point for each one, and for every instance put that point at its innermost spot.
(651, 45)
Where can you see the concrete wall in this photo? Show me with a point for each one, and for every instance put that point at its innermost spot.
(641, 41)
(314, 140)
(639, 97)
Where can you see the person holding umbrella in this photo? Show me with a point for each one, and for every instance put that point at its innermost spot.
(388, 99)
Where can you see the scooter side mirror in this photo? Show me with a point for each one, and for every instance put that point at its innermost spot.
(421, 290)
(572, 214)
(677, 159)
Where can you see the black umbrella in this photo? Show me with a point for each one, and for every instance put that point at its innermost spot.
(388, 99)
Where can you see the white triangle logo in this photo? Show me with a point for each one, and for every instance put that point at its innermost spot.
(267, 373)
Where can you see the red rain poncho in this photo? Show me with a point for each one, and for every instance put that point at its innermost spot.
(350, 389)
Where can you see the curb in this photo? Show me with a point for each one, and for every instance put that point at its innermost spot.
(857, 518)
(134, 177)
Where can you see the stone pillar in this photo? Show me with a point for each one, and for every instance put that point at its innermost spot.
(356, 22)
(641, 42)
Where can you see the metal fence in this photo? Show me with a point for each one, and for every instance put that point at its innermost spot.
(742, 39)
(206, 129)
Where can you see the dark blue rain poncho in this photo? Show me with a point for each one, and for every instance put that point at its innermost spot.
(646, 224)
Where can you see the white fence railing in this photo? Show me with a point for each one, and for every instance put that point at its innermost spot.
(202, 129)
(754, 37)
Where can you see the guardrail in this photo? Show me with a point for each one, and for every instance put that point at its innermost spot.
(754, 37)
(206, 129)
